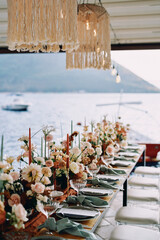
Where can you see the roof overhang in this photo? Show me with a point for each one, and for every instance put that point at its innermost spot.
(134, 24)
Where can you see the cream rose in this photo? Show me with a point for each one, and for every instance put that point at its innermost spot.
(74, 167)
(45, 180)
(99, 151)
(3, 165)
(84, 175)
(15, 175)
(20, 212)
(14, 200)
(46, 171)
(40, 160)
(91, 151)
(76, 151)
(38, 187)
(124, 144)
(6, 177)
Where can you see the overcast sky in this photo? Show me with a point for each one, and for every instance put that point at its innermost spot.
(144, 63)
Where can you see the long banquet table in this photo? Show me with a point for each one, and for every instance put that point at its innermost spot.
(92, 224)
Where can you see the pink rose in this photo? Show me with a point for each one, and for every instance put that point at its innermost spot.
(14, 200)
(26, 154)
(49, 163)
(49, 138)
(38, 187)
(20, 212)
(110, 150)
(15, 175)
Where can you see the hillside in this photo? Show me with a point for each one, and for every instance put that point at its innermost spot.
(47, 73)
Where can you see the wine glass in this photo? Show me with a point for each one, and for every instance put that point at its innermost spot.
(93, 169)
(78, 184)
(49, 208)
(107, 160)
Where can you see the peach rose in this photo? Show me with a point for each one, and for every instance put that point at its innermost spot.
(20, 212)
(14, 200)
(26, 154)
(3, 165)
(90, 151)
(49, 163)
(110, 150)
(62, 164)
(38, 187)
(49, 138)
(46, 171)
(15, 175)
(2, 216)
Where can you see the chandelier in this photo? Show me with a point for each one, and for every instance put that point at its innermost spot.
(93, 28)
(42, 25)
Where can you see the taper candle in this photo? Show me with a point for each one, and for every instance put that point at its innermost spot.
(79, 138)
(67, 165)
(2, 139)
(71, 132)
(30, 152)
(41, 146)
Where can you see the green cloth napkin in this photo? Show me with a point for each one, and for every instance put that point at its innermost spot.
(129, 150)
(106, 170)
(101, 183)
(67, 226)
(124, 159)
(86, 201)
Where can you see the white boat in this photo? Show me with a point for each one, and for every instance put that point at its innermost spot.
(16, 105)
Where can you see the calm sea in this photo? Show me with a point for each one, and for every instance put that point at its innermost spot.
(58, 109)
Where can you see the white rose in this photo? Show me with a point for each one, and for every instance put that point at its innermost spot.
(84, 176)
(75, 151)
(87, 144)
(99, 151)
(40, 159)
(29, 193)
(74, 167)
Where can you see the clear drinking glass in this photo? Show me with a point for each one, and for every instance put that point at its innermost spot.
(78, 184)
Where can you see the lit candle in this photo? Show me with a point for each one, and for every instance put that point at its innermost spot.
(2, 148)
(85, 121)
(67, 151)
(30, 153)
(41, 146)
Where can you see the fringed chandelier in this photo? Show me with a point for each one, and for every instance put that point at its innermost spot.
(94, 39)
(42, 25)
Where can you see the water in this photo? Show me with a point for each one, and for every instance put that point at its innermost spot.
(58, 109)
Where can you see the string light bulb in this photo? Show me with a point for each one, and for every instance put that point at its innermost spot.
(118, 78)
(95, 33)
(114, 71)
(87, 25)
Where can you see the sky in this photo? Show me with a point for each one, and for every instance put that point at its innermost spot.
(144, 63)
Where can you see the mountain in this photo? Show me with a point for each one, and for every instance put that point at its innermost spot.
(47, 73)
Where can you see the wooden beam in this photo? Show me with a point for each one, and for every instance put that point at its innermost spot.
(114, 47)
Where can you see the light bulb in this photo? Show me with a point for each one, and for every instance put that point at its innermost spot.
(118, 78)
(103, 62)
(87, 25)
(98, 50)
(61, 13)
(95, 33)
(114, 71)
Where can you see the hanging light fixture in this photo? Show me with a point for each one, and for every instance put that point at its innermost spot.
(118, 78)
(113, 71)
(42, 25)
(94, 39)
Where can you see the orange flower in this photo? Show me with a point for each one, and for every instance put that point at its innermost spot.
(2, 216)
